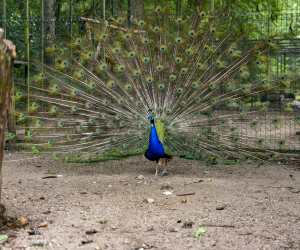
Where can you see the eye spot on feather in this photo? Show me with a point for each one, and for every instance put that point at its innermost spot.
(158, 9)
(104, 37)
(202, 14)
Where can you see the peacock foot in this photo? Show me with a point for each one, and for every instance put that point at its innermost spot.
(155, 176)
(165, 172)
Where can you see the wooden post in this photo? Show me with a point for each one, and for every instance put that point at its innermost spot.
(7, 56)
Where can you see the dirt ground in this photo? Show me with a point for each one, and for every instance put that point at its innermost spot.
(242, 207)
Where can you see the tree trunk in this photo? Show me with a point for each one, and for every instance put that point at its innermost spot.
(49, 29)
(7, 56)
(137, 9)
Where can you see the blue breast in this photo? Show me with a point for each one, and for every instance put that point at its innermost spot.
(155, 150)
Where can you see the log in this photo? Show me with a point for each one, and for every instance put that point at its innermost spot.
(7, 56)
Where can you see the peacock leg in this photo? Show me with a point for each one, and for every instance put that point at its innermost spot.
(165, 170)
(156, 175)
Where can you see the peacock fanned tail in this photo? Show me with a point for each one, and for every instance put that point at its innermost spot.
(194, 73)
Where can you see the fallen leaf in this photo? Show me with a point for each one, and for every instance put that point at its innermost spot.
(47, 212)
(84, 218)
(207, 180)
(3, 237)
(20, 222)
(43, 224)
(42, 198)
(199, 231)
(103, 221)
(184, 201)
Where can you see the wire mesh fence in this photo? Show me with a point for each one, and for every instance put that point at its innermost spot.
(267, 17)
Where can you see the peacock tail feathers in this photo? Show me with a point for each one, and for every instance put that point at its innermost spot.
(193, 72)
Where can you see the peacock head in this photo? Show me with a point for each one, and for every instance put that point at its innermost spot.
(150, 117)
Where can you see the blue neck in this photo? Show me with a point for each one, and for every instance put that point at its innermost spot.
(155, 150)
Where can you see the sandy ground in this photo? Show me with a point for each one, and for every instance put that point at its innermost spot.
(260, 206)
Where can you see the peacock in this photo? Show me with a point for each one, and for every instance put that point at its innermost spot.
(161, 86)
